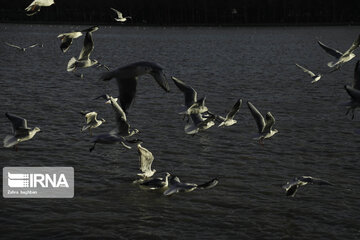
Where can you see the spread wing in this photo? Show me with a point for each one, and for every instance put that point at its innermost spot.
(306, 70)
(119, 14)
(234, 110)
(354, 93)
(269, 119)
(87, 48)
(257, 116)
(122, 125)
(19, 124)
(33, 45)
(12, 45)
(90, 117)
(189, 93)
(146, 158)
(331, 51)
(356, 83)
(354, 46)
(127, 91)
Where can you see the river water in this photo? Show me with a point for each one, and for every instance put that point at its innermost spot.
(255, 64)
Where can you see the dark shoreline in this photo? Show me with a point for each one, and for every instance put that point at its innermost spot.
(189, 25)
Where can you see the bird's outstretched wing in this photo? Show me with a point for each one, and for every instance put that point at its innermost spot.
(235, 109)
(87, 48)
(189, 93)
(259, 119)
(305, 70)
(14, 46)
(333, 52)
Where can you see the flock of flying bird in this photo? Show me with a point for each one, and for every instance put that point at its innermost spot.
(198, 116)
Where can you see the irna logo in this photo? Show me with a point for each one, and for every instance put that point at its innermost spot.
(33, 180)
(38, 182)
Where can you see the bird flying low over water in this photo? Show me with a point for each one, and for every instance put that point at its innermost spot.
(120, 17)
(121, 133)
(35, 6)
(354, 91)
(292, 187)
(22, 48)
(229, 119)
(175, 186)
(341, 57)
(91, 121)
(192, 104)
(127, 77)
(84, 57)
(21, 132)
(315, 77)
(265, 126)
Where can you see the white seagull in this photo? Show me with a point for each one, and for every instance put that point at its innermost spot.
(22, 48)
(292, 187)
(35, 6)
(192, 104)
(84, 57)
(175, 186)
(354, 91)
(91, 121)
(119, 134)
(229, 119)
(265, 126)
(146, 158)
(21, 132)
(120, 17)
(341, 57)
(315, 77)
(127, 77)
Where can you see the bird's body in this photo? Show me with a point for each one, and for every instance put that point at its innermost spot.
(229, 119)
(292, 187)
(265, 126)
(156, 183)
(127, 77)
(36, 5)
(91, 121)
(120, 17)
(21, 132)
(315, 77)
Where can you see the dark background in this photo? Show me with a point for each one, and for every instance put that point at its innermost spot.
(190, 12)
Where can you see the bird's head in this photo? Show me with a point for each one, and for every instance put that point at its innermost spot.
(36, 129)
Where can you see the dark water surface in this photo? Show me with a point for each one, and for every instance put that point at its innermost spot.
(257, 64)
